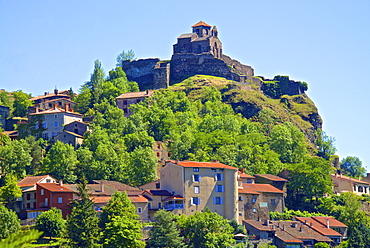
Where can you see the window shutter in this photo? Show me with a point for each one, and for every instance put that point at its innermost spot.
(200, 178)
(221, 200)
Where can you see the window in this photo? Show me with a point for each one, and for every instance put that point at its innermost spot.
(253, 200)
(219, 188)
(254, 210)
(42, 192)
(196, 178)
(195, 201)
(213, 170)
(240, 198)
(217, 200)
(240, 214)
(28, 205)
(158, 155)
(196, 189)
(159, 205)
(34, 205)
(196, 169)
(55, 116)
(43, 125)
(139, 210)
(218, 177)
(45, 136)
(28, 196)
(48, 180)
(55, 124)
(354, 187)
(249, 180)
(149, 206)
(221, 170)
(60, 200)
(46, 202)
(273, 202)
(360, 189)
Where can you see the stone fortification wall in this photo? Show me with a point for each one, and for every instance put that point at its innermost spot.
(4, 114)
(238, 67)
(148, 73)
(189, 64)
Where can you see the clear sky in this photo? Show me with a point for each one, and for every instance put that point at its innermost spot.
(47, 44)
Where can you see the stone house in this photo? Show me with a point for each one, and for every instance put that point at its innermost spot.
(71, 138)
(27, 203)
(344, 184)
(197, 185)
(53, 121)
(276, 181)
(126, 99)
(77, 127)
(257, 200)
(49, 97)
(156, 200)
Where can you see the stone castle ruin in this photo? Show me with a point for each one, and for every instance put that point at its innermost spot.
(199, 52)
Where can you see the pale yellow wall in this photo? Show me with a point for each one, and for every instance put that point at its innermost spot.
(143, 216)
(345, 185)
(172, 179)
(61, 118)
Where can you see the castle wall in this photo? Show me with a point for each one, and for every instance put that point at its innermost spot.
(4, 114)
(238, 67)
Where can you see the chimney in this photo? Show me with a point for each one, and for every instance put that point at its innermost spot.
(37, 109)
(311, 224)
(266, 222)
(147, 92)
(306, 222)
(283, 227)
(259, 218)
(45, 93)
(67, 107)
(243, 170)
(61, 182)
(55, 106)
(56, 91)
(101, 187)
(327, 223)
(301, 228)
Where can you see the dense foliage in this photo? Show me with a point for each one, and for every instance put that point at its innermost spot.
(51, 223)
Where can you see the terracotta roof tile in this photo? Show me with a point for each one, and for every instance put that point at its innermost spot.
(135, 94)
(243, 175)
(203, 164)
(48, 95)
(272, 177)
(259, 225)
(317, 226)
(101, 199)
(201, 23)
(286, 237)
(345, 178)
(256, 188)
(332, 222)
(55, 110)
(30, 181)
(138, 198)
(54, 187)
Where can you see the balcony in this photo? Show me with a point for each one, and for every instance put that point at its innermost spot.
(174, 206)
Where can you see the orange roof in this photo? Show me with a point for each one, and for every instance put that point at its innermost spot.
(271, 177)
(30, 181)
(54, 187)
(201, 23)
(136, 94)
(342, 177)
(243, 175)
(48, 95)
(203, 164)
(257, 188)
(332, 222)
(175, 197)
(318, 227)
(138, 198)
(259, 225)
(101, 199)
(55, 110)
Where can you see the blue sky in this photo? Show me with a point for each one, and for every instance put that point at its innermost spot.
(48, 44)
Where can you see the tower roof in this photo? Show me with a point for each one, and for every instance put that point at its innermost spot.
(201, 23)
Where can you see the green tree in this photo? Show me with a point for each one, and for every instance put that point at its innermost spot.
(120, 223)
(359, 236)
(51, 223)
(61, 162)
(10, 191)
(37, 149)
(129, 55)
(20, 239)
(352, 166)
(322, 245)
(165, 232)
(9, 222)
(82, 228)
(325, 145)
(21, 103)
(206, 230)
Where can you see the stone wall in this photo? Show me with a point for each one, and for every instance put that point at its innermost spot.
(4, 114)
(238, 67)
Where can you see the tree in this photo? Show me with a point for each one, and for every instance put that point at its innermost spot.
(359, 236)
(165, 232)
(21, 103)
(352, 166)
(130, 55)
(322, 245)
(206, 230)
(9, 222)
(61, 162)
(51, 223)
(325, 145)
(10, 191)
(20, 239)
(82, 228)
(120, 223)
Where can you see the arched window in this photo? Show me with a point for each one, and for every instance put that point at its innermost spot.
(360, 189)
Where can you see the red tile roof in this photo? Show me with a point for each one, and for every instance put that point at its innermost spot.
(136, 94)
(203, 164)
(101, 199)
(286, 237)
(30, 181)
(201, 23)
(249, 188)
(243, 175)
(345, 178)
(55, 110)
(332, 222)
(48, 95)
(318, 227)
(175, 197)
(259, 225)
(54, 187)
(272, 177)
(138, 198)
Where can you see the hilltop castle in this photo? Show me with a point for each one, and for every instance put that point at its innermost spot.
(199, 52)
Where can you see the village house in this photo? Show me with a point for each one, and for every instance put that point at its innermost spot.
(50, 97)
(197, 185)
(71, 138)
(344, 184)
(26, 205)
(125, 100)
(53, 121)
(276, 181)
